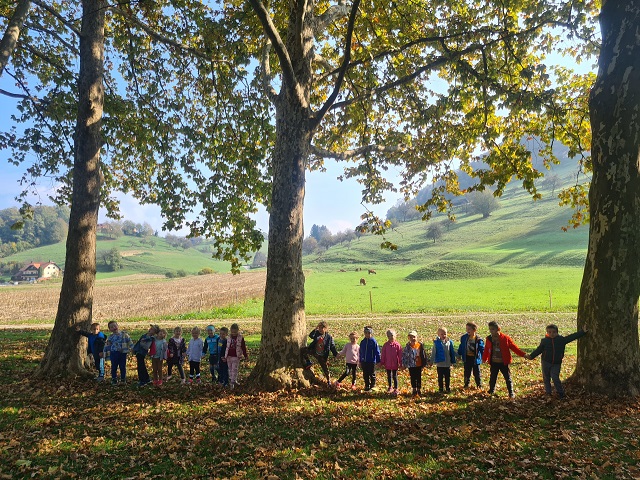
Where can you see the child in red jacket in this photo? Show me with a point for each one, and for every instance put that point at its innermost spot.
(497, 352)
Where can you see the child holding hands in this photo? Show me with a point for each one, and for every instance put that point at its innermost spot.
(350, 351)
(444, 355)
(470, 351)
(497, 353)
(175, 353)
(391, 360)
(235, 352)
(552, 349)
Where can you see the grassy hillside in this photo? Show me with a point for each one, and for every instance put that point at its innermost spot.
(138, 257)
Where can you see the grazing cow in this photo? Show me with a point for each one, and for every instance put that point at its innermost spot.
(363, 281)
(342, 270)
(358, 269)
(372, 271)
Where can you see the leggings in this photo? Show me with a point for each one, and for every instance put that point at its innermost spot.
(233, 363)
(170, 366)
(392, 375)
(350, 368)
(118, 360)
(194, 369)
(156, 364)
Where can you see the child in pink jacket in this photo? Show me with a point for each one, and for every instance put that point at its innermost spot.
(391, 359)
(350, 351)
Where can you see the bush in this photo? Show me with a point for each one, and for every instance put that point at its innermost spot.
(206, 271)
(181, 273)
(452, 270)
(170, 275)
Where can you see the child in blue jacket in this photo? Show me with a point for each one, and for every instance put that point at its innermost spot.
(443, 354)
(369, 357)
(95, 346)
(470, 351)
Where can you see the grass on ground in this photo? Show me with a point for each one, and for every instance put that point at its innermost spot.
(56, 429)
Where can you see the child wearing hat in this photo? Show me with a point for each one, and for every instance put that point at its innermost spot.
(369, 356)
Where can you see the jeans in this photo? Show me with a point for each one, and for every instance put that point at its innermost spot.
(99, 364)
(223, 373)
(213, 366)
(444, 378)
(506, 373)
(415, 373)
(551, 371)
(471, 365)
(369, 373)
(118, 361)
(350, 368)
(143, 373)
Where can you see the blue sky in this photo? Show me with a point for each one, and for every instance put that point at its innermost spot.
(328, 201)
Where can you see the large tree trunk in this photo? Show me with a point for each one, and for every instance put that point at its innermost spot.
(10, 38)
(609, 356)
(64, 355)
(283, 320)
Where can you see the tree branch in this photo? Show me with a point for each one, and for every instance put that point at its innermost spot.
(55, 14)
(266, 73)
(10, 37)
(276, 42)
(162, 38)
(343, 68)
(333, 13)
(356, 152)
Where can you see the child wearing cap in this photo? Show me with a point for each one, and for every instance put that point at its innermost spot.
(141, 349)
(350, 351)
(212, 348)
(369, 356)
(414, 358)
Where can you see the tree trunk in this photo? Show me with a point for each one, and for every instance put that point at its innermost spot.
(10, 38)
(64, 355)
(283, 321)
(609, 356)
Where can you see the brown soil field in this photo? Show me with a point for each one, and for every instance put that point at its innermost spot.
(134, 296)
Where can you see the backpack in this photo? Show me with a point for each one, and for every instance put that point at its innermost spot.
(152, 348)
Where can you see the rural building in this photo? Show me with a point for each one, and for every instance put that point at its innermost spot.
(35, 271)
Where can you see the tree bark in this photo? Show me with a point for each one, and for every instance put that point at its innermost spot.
(64, 355)
(10, 38)
(609, 356)
(283, 321)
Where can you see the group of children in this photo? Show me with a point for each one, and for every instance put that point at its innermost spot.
(227, 349)
(224, 352)
(473, 351)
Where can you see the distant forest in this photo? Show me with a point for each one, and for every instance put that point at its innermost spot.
(47, 226)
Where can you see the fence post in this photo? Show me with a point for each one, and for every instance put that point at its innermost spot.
(550, 300)
(370, 301)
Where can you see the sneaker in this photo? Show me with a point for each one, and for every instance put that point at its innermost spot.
(447, 391)
(183, 381)
(198, 380)
(395, 392)
(114, 381)
(512, 395)
(337, 385)
(190, 380)
(100, 379)
(390, 390)
(167, 378)
(353, 386)
(308, 365)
